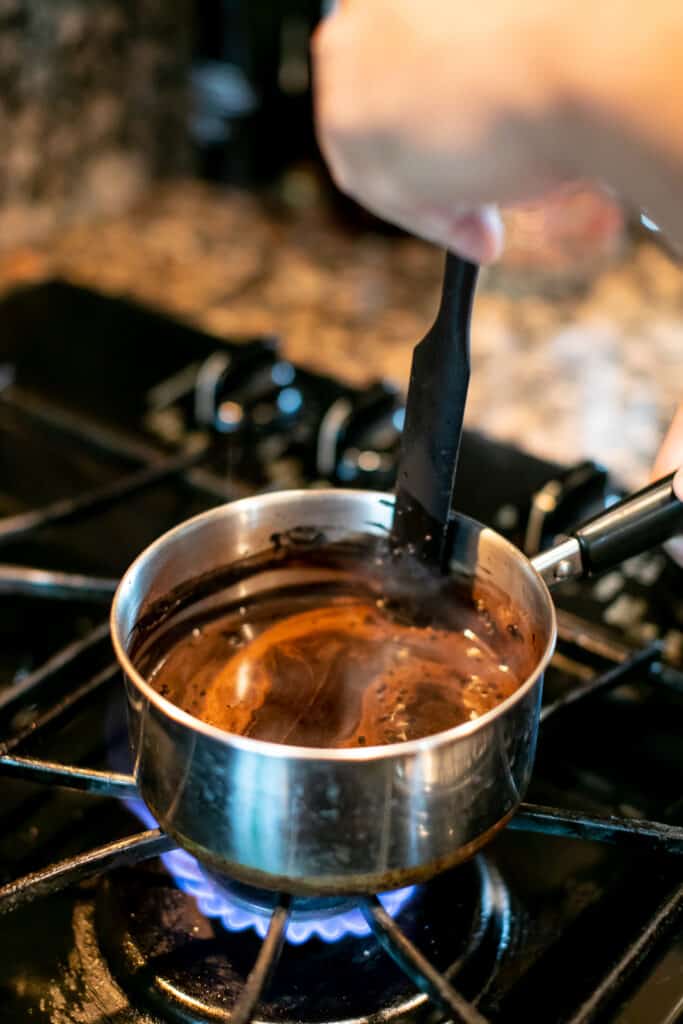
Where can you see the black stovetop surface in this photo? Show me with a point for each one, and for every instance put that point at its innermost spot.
(78, 409)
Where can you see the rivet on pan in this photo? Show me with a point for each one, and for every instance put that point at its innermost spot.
(563, 569)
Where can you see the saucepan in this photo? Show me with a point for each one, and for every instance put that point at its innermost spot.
(341, 821)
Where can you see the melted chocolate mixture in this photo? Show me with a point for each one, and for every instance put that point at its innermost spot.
(337, 663)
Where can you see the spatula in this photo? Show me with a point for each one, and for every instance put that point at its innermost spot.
(432, 429)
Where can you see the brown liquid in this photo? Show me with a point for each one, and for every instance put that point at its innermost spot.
(332, 664)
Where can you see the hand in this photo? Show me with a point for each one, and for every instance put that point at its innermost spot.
(410, 118)
(671, 457)
(430, 113)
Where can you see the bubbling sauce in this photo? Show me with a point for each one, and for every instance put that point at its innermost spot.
(334, 653)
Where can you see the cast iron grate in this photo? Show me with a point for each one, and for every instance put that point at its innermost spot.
(634, 833)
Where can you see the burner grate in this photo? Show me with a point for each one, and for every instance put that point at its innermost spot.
(638, 834)
(627, 667)
(666, 916)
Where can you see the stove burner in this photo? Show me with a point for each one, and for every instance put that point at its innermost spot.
(182, 966)
(241, 907)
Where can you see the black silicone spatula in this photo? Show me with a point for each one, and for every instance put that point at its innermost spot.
(435, 407)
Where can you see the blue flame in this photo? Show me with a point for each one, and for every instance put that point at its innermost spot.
(213, 902)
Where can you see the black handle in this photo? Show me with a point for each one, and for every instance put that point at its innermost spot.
(635, 524)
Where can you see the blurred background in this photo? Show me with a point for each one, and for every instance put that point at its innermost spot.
(165, 152)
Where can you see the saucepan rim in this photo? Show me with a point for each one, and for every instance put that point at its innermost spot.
(266, 748)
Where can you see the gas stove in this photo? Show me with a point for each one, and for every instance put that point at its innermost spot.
(118, 423)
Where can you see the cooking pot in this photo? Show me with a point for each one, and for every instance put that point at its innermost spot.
(328, 821)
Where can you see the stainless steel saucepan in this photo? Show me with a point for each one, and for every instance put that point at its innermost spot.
(322, 821)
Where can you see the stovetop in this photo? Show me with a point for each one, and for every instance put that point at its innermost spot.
(115, 424)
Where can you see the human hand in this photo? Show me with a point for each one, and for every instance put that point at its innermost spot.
(670, 457)
(409, 105)
(431, 113)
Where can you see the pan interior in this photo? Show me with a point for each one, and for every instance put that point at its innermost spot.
(328, 643)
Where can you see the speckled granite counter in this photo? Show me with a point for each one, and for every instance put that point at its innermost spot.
(591, 372)
(93, 105)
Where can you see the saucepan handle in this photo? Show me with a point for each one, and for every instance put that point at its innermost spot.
(638, 522)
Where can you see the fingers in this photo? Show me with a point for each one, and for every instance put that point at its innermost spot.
(478, 236)
(671, 457)
(670, 454)
(476, 233)
(678, 484)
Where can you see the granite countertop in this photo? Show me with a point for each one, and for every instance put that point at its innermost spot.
(592, 370)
